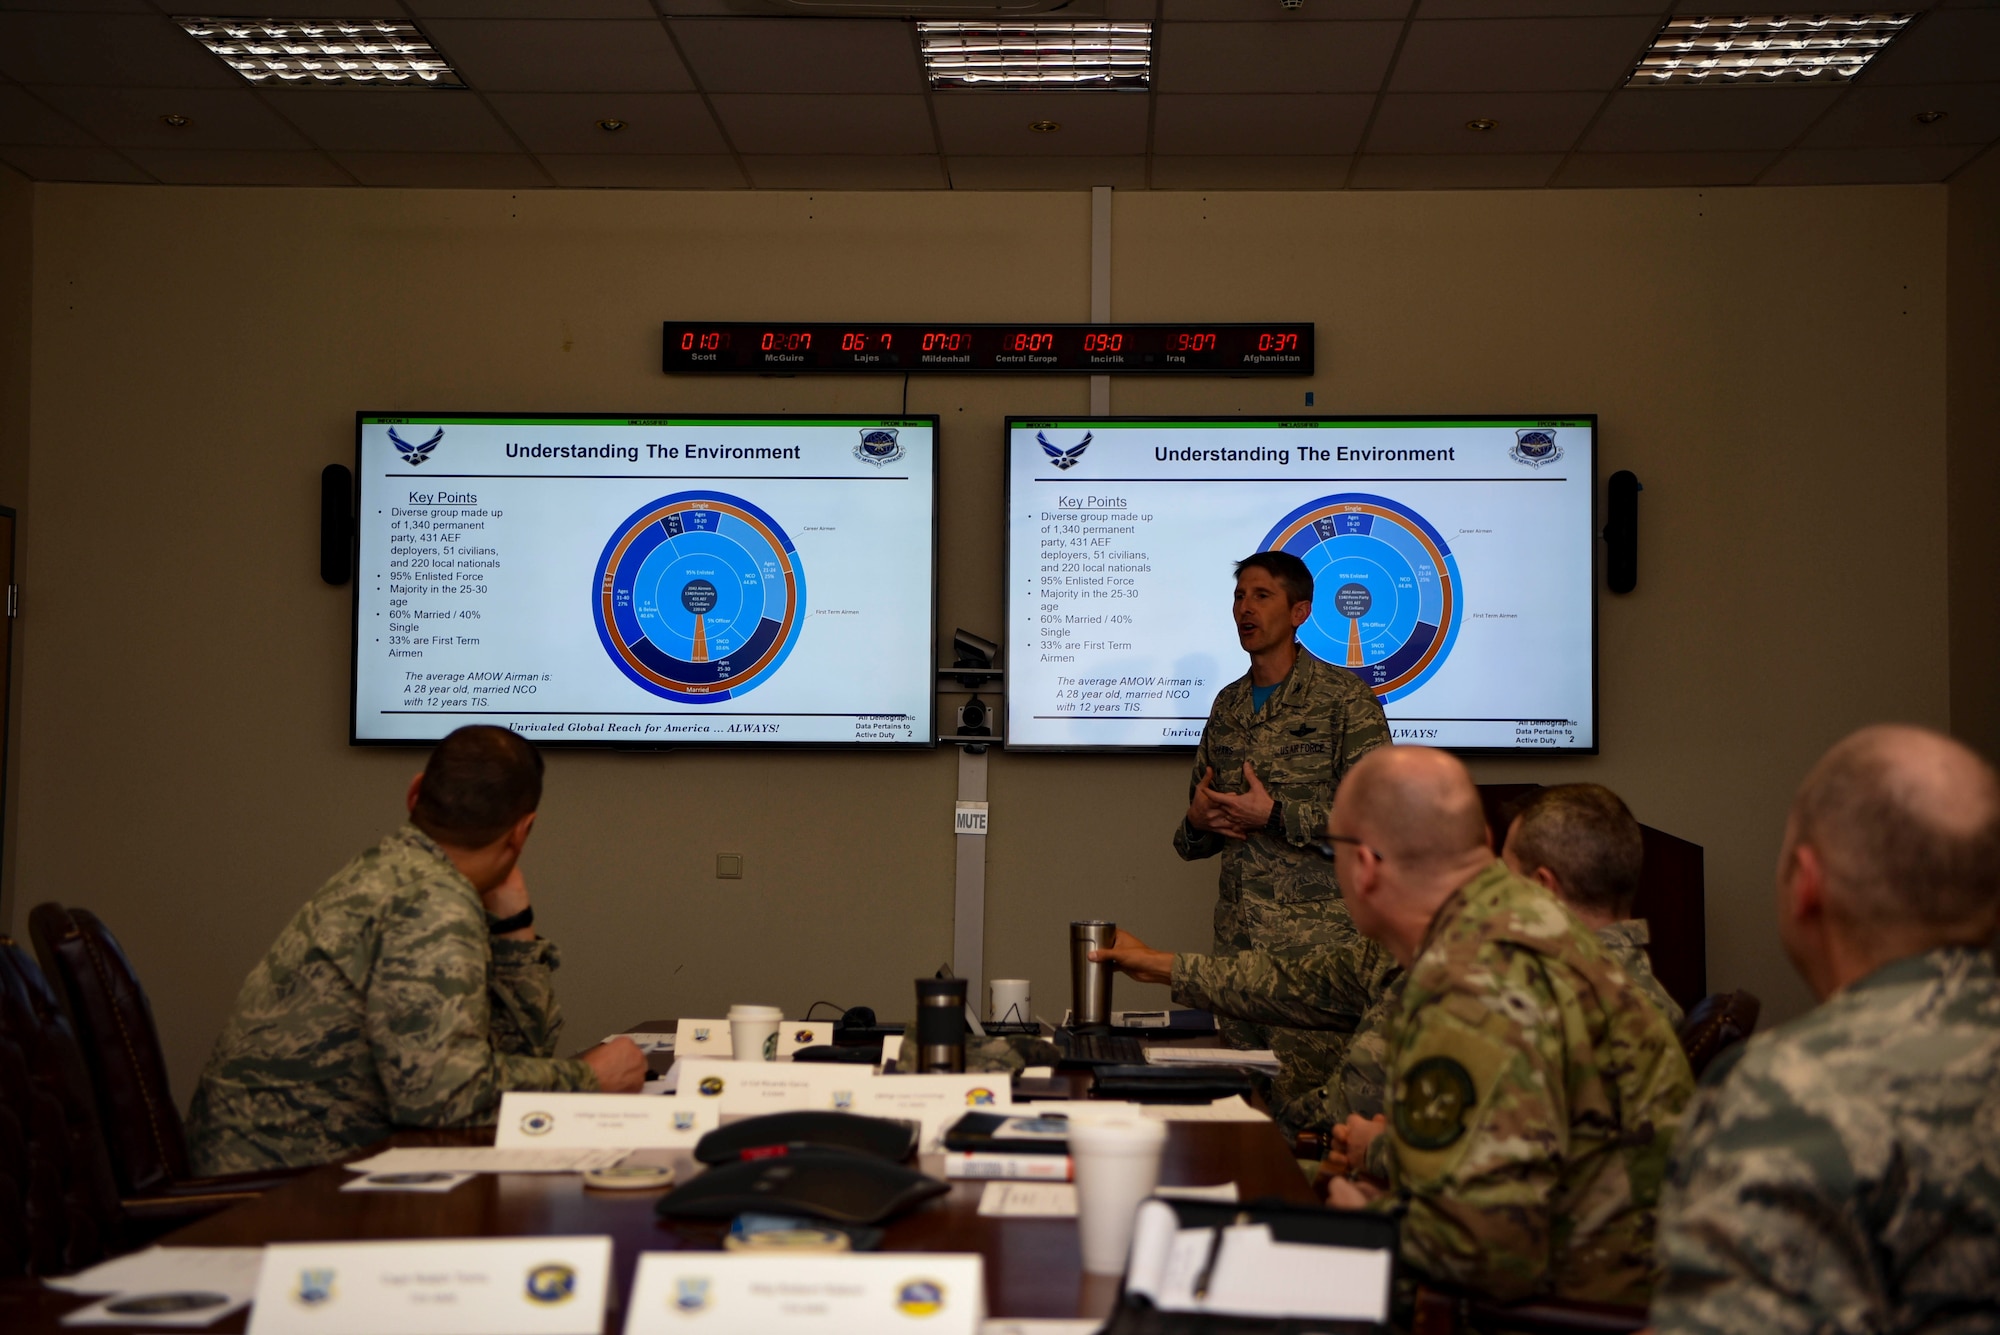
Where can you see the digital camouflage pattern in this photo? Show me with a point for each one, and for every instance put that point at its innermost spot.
(1842, 1173)
(1277, 894)
(384, 1003)
(1625, 942)
(1533, 1098)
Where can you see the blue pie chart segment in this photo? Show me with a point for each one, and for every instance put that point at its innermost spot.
(699, 597)
(1387, 598)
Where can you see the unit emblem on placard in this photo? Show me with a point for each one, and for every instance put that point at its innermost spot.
(538, 1124)
(843, 1099)
(683, 1121)
(980, 1098)
(415, 454)
(1535, 448)
(315, 1287)
(803, 1036)
(920, 1297)
(700, 1034)
(690, 1293)
(1064, 459)
(711, 1085)
(879, 446)
(551, 1284)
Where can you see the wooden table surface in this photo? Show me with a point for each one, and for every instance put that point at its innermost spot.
(1033, 1266)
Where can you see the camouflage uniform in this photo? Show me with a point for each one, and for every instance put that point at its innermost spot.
(1533, 1098)
(1625, 942)
(1842, 1172)
(384, 1003)
(1278, 894)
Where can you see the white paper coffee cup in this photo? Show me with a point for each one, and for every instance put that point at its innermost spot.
(1117, 1165)
(753, 1032)
(1008, 1001)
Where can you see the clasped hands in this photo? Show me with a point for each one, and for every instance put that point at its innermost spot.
(1231, 815)
(1350, 1152)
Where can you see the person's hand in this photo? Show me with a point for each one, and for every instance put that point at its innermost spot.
(1248, 811)
(620, 1066)
(1357, 1134)
(1346, 1193)
(507, 899)
(1206, 812)
(1136, 958)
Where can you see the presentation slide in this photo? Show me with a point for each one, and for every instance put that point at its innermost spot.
(1451, 562)
(636, 581)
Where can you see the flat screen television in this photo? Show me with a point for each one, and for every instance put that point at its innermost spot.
(1452, 562)
(616, 580)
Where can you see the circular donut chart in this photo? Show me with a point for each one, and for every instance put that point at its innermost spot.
(1387, 594)
(699, 597)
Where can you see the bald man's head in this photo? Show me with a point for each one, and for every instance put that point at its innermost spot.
(1417, 807)
(1907, 824)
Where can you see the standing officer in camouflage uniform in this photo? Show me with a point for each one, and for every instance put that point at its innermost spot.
(1533, 1093)
(1841, 1173)
(1278, 742)
(409, 992)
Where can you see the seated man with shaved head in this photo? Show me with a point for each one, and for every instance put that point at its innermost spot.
(1533, 1091)
(1842, 1172)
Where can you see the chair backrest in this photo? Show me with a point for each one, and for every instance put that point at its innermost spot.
(59, 1208)
(1717, 1023)
(121, 1046)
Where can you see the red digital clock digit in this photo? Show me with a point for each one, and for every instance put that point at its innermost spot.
(945, 341)
(1104, 342)
(1194, 342)
(1277, 342)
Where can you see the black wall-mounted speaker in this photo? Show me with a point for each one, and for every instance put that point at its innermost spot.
(1621, 531)
(336, 524)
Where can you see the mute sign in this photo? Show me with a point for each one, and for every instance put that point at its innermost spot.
(969, 818)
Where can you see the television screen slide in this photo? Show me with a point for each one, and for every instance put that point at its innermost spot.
(642, 581)
(1451, 562)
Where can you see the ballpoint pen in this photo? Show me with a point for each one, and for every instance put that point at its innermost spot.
(1215, 1252)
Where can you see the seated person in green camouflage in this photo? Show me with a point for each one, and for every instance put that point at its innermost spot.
(1841, 1173)
(409, 992)
(1533, 1092)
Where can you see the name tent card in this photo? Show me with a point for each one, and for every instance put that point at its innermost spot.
(502, 1286)
(738, 1294)
(935, 1100)
(764, 1087)
(530, 1120)
(710, 1038)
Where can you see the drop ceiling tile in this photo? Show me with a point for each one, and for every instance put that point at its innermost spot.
(202, 166)
(144, 51)
(1453, 171)
(1886, 117)
(1539, 9)
(851, 123)
(1949, 46)
(562, 56)
(1273, 57)
(360, 120)
(1525, 55)
(568, 122)
(530, 9)
(218, 118)
(1266, 123)
(1622, 170)
(1236, 11)
(1248, 173)
(835, 172)
(26, 120)
(45, 163)
(445, 171)
(1018, 173)
(1524, 122)
(1868, 166)
(1093, 124)
(641, 171)
(1706, 119)
(801, 55)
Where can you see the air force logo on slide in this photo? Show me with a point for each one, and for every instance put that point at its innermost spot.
(1535, 448)
(415, 454)
(1064, 459)
(879, 446)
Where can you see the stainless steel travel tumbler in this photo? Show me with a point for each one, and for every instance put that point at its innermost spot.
(1089, 984)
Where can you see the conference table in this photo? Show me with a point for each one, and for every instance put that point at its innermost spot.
(1033, 1266)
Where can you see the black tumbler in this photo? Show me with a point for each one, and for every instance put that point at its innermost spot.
(940, 1025)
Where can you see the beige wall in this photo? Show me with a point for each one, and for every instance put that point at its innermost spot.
(17, 273)
(1973, 429)
(199, 353)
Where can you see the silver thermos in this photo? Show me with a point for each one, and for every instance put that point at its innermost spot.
(941, 1024)
(1090, 983)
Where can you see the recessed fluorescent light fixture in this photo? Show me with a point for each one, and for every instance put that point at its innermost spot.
(1721, 50)
(325, 53)
(1037, 55)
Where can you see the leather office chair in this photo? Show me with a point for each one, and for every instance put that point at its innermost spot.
(121, 1051)
(1717, 1023)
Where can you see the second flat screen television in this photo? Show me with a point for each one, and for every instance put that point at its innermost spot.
(1451, 557)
